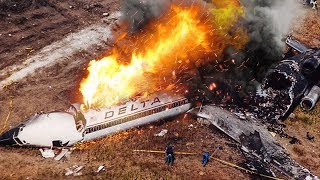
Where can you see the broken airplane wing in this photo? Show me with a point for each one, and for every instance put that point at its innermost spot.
(272, 153)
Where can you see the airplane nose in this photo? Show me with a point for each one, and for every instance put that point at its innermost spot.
(6, 139)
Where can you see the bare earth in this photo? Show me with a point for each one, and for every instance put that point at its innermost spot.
(54, 87)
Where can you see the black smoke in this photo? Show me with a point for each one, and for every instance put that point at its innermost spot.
(137, 13)
(239, 73)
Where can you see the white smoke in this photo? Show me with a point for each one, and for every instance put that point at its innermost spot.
(282, 14)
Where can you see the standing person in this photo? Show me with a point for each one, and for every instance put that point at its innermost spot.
(169, 159)
(205, 158)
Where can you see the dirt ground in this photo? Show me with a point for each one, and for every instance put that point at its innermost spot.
(25, 32)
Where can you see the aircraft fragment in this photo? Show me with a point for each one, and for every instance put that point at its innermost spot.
(100, 168)
(61, 154)
(47, 153)
(294, 81)
(61, 129)
(255, 140)
(74, 170)
(162, 132)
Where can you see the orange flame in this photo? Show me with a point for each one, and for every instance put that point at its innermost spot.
(182, 37)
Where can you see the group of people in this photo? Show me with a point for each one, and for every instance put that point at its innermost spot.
(169, 159)
(312, 2)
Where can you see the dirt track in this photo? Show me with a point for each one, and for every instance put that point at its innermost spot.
(22, 36)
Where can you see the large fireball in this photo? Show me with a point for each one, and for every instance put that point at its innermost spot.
(185, 36)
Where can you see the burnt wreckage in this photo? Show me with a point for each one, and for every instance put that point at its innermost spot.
(294, 81)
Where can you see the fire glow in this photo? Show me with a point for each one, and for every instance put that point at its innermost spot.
(181, 38)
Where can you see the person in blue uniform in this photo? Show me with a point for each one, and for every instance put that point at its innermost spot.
(169, 159)
(205, 158)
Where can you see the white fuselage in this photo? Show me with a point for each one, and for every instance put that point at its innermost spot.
(132, 114)
(61, 128)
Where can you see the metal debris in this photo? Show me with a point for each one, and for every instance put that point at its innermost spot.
(61, 154)
(100, 168)
(47, 153)
(257, 142)
(310, 137)
(162, 132)
(105, 14)
(74, 170)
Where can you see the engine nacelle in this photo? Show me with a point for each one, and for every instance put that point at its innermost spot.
(309, 101)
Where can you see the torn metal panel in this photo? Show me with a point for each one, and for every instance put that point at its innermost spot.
(296, 45)
(266, 149)
(61, 154)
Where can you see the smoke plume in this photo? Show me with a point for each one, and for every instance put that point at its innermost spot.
(138, 12)
(267, 22)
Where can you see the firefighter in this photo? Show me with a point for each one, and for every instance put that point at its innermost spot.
(169, 159)
(205, 158)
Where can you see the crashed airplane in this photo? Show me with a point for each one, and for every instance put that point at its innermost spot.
(58, 129)
(292, 82)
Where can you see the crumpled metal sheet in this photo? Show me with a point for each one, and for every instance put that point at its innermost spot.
(269, 150)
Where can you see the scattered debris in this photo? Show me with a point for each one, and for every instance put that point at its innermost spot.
(47, 153)
(314, 4)
(310, 137)
(294, 140)
(162, 132)
(273, 134)
(292, 116)
(61, 155)
(101, 168)
(105, 14)
(74, 170)
(257, 142)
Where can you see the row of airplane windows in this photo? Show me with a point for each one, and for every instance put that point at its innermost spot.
(136, 116)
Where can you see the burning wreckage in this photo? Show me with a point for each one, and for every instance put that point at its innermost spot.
(295, 80)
